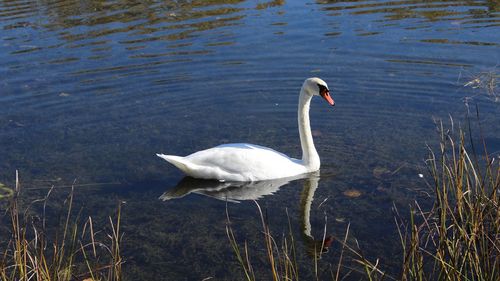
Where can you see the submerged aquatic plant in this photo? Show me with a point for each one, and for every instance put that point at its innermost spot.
(70, 251)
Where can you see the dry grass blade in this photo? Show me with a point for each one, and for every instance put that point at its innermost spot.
(344, 242)
(244, 263)
(269, 244)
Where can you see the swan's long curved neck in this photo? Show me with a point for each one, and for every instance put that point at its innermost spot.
(310, 157)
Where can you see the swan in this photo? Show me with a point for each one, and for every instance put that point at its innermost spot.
(243, 162)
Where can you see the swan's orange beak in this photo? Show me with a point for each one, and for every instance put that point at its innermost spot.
(326, 95)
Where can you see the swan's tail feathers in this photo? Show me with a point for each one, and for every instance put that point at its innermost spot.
(177, 161)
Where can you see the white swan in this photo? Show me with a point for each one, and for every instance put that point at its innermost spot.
(249, 162)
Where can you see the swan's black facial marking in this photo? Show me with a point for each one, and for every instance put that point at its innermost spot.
(322, 89)
(325, 93)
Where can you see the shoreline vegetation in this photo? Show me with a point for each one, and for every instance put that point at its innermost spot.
(457, 239)
(70, 250)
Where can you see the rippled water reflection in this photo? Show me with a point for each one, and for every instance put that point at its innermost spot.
(91, 90)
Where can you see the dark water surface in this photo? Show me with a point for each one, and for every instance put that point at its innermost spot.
(91, 90)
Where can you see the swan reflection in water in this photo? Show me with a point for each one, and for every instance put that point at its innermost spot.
(241, 191)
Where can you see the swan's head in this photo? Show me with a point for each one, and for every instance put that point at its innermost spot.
(317, 87)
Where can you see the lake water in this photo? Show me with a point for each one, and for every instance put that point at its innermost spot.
(91, 90)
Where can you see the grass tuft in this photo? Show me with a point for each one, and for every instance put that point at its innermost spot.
(458, 239)
(71, 251)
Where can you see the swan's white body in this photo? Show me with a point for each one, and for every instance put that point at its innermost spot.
(249, 162)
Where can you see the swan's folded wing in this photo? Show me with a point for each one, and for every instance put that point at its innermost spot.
(247, 162)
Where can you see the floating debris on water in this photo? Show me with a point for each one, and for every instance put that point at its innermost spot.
(487, 81)
(15, 123)
(352, 193)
